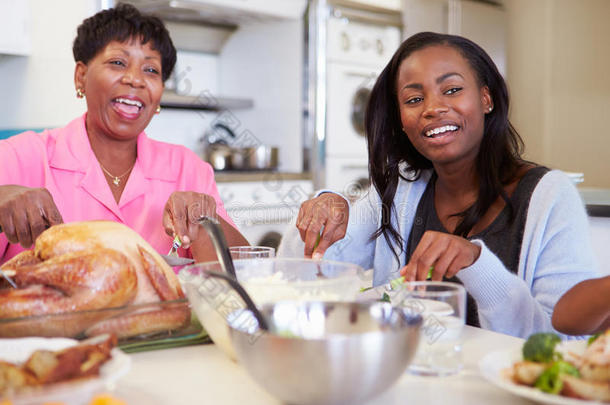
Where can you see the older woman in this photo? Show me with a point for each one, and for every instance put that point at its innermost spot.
(452, 191)
(102, 165)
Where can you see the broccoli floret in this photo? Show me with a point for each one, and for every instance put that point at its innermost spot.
(540, 347)
(385, 298)
(397, 283)
(549, 380)
(593, 338)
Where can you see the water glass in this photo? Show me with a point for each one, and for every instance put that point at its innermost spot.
(443, 308)
(251, 252)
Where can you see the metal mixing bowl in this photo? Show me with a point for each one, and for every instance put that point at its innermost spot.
(326, 353)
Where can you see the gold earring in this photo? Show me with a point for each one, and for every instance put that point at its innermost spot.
(158, 110)
(80, 93)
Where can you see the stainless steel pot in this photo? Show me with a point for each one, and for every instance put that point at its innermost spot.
(255, 158)
(223, 156)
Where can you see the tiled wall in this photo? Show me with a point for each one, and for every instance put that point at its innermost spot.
(6, 133)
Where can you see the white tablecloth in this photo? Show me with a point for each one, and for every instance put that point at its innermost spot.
(203, 374)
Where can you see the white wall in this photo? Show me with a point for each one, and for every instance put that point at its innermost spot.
(38, 90)
(262, 62)
(558, 57)
(265, 62)
(183, 127)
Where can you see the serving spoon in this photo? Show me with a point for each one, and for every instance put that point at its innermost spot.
(260, 318)
(212, 227)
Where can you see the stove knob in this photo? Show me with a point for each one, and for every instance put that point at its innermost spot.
(257, 195)
(345, 45)
(379, 45)
(227, 196)
(364, 44)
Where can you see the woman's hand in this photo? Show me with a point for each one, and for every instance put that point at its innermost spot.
(182, 212)
(447, 253)
(329, 211)
(26, 212)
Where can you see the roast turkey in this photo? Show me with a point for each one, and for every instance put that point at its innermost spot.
(85, 266)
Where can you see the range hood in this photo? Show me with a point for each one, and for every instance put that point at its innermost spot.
(223, 12)
(205, 26)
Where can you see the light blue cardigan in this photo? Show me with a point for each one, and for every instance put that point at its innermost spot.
(555, 254)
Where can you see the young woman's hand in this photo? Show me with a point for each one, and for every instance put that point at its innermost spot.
(447, 253)
(328, 213)
(26, 212)
(182, 212)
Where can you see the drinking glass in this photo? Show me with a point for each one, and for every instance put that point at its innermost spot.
(443, 308)
(251, 252)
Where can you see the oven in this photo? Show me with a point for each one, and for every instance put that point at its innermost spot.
(349, 88)
(262, 210)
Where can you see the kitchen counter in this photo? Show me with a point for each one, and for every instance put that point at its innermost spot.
(597, 201)
(241, 176)
(203, 374)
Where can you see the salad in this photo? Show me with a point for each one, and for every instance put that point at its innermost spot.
(548, 368)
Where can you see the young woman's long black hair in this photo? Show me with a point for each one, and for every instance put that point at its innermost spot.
(389, 147)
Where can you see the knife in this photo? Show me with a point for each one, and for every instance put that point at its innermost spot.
(177, 260)
(7, 278)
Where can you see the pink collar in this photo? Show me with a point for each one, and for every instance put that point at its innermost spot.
(72, 152)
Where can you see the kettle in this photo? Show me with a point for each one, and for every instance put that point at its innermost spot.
(216, 149)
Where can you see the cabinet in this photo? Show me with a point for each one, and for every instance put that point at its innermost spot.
(232, 12)
(393, 5)
(482, 22)
(15, 27)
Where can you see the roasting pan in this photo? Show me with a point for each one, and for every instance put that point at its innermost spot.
(82, 324)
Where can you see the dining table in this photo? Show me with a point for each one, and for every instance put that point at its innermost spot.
(204, 374)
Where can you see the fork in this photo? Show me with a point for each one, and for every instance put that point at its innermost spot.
(172, 258)
(173, 251)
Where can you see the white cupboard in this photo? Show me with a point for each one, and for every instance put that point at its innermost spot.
(15, 27)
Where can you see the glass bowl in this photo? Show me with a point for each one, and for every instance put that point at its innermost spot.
(267, 281)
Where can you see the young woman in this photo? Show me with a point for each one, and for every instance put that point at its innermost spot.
(452, 191)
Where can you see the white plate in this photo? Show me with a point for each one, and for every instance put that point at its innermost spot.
(70, 392)
(494, 364)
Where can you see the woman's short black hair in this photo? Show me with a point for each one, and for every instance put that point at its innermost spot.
(389, 147)
(122, 23)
